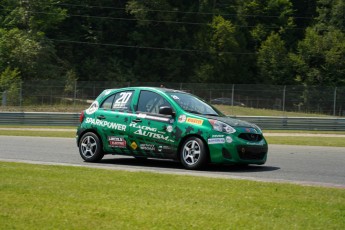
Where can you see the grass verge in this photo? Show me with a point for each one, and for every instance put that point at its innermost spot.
(58, 197)
(283, 140)
(226, 109)
(309, 141)
(247, 111)
(32, 133)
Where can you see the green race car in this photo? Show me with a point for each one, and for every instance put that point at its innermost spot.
(146, 122)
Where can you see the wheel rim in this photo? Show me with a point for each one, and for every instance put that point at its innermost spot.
(88, 146)
(191, 152)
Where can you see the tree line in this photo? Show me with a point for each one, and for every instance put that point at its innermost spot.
(290, 42)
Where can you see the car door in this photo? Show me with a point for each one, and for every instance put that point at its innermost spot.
(150, 132)
(113, 117)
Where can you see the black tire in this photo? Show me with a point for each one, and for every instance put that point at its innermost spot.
(90, 147)
(193, 153)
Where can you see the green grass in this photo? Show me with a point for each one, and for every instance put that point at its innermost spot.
(50, 131)
(226, 109)
(37, 127)
(284, 140)
(67, 134)
(46, 108)
(246, 111)
(309, 141)
(305, 131)
(58, 197)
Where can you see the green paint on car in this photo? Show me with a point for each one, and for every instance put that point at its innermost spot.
(147, 122)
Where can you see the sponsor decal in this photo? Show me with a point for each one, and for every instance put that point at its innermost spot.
(148, 131)
(148, 147)
(163, 148)
(122, 100)
(215, 136)
(151, 134)
(228, 139)
(169, 128)
(102, 123)
(182, 118)
(134, 145)
(119, 142)
(143, 127)
(93, 107)
(255, 143)
(194, 121)
(212, 141)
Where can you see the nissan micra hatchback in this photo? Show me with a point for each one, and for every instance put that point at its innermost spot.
(146, 122)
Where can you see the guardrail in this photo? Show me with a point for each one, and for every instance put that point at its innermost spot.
(297, 123)
(35, 118)
(265, 122)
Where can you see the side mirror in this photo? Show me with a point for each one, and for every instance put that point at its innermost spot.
(166, 110)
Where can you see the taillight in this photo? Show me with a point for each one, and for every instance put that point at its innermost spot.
(81, 116)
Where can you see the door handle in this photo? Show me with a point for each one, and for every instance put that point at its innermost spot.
(137, 120)
(101, 117)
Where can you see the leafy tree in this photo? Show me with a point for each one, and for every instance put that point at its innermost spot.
(10, 85)
(262, 17)
(320, 58)
(273, 61)
(258, 19)
(331, 14)
(32, 54)
(23, 41)
(221, 62)
(166, 38)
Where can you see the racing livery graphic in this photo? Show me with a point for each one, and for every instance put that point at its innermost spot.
(147, 122)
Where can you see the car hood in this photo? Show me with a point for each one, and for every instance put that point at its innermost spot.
(234, 122)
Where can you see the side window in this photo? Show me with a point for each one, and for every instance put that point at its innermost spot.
(123, 100)
(118, 101)
(150, 102)
(108, 102)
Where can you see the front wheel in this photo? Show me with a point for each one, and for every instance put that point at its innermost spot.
(193, 153)
(90, 147)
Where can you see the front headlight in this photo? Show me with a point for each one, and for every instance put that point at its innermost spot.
(221, 126)
(258, 128)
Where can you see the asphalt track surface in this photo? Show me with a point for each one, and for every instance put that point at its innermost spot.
(307, 165)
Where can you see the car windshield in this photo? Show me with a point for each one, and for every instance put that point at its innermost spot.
(192, 104)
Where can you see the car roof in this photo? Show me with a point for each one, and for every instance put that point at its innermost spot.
(165, 90)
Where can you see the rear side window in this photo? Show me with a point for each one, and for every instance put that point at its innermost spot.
(118, 101)
(150, 102)
(108, 102)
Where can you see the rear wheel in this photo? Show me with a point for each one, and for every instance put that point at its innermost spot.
(193, 153)
(90, 147)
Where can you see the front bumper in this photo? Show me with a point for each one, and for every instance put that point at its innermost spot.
(239, 152)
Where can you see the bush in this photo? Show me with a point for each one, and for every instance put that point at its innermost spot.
(10, 86)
